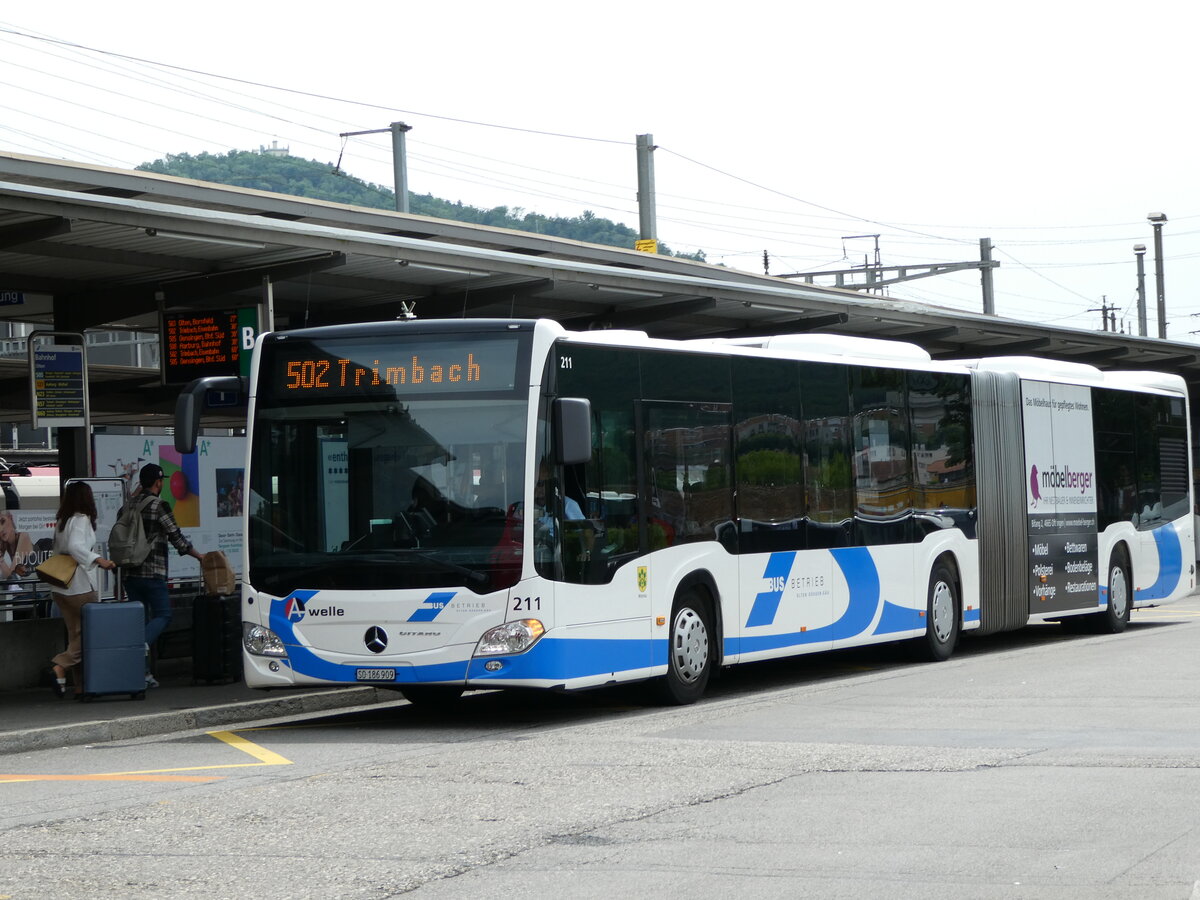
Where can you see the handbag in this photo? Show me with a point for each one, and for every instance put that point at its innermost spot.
(57, 570)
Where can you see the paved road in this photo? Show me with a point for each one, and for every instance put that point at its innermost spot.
(1029, 765)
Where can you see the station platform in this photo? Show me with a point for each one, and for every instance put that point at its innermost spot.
(35, 719)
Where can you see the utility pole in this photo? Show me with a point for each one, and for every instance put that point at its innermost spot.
(1157, 219)
(399, 159)
(985, 276)
(1139, 251)
(874, 274)
(400, 164)
(1108, 314)
(647, 214)
(874, 278)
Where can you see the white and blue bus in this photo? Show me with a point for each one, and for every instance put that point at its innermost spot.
(443, 506)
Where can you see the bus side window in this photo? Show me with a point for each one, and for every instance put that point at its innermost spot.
(882, 469)
(768, 455)
(1116, 489)
(687, 471)
(829, 492)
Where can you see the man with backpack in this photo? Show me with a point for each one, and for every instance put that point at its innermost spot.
(142, 554)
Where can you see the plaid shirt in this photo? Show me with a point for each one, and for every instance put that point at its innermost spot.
(160, 527)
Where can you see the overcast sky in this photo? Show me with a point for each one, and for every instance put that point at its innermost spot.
(1051, 127)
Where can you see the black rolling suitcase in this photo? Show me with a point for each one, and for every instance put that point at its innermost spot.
(114, 649)
(217, 638)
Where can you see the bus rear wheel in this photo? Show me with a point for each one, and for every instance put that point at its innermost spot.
(941, 614)
(689, 656)
(1120, 595)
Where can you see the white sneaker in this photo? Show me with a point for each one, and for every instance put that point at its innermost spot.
(151, 681)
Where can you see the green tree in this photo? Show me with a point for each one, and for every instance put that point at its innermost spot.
(321, 181)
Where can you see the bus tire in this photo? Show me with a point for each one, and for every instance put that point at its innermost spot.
(432, 697)
(690, 650)
(1115, 617)
(942, 614)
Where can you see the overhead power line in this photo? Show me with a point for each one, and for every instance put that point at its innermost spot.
(312, 94)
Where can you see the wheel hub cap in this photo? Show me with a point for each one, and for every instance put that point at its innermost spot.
(1118, 591)
(943, 611)
(689, 645)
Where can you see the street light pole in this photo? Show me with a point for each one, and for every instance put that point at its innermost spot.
(1139, 251)
(1157, 219)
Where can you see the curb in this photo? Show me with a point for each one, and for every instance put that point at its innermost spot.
(210, 717)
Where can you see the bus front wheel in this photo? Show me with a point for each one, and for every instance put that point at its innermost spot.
(941, 614)
(689, 657)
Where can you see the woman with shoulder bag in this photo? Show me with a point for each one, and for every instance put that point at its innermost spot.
(75, 536)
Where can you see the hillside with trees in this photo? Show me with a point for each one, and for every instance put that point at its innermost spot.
(283, 174)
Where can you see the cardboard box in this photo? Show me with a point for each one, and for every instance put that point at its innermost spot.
(218, 573)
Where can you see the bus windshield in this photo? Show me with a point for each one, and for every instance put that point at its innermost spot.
(388, 458)
(417, 494)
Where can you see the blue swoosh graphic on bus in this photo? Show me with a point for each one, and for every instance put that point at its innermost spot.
(560, 659)
(436, 603)
(896, 618)
(862, 579)
(304, 662)
(766, 604)
(1170, 565)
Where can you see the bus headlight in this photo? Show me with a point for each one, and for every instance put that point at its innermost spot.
(261, 641)
(511, 637)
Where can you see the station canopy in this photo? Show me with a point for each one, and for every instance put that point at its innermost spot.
(86, 248)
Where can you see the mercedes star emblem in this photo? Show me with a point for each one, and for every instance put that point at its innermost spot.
(375, 639)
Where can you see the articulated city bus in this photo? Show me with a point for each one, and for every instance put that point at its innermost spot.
(443, 506)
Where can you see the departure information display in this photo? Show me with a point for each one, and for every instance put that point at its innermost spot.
(59, 385)
(200, 344)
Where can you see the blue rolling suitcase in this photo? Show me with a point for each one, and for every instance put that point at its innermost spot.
(114, 649)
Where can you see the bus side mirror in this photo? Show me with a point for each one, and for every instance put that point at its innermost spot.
(216, 390)
(572, 430)
(187, 422)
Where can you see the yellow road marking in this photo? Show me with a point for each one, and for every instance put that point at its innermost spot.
(264, 756)
(115, 776)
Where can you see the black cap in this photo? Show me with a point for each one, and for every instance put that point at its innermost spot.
(150, 473)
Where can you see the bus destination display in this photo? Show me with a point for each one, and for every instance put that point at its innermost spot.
(302, 371)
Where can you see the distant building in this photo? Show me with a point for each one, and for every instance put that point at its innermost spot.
(273, 150)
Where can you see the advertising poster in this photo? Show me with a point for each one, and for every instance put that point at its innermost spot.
(27, 539)
(204, 489)
(1060, 496)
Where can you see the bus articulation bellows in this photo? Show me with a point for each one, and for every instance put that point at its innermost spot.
(439, 506)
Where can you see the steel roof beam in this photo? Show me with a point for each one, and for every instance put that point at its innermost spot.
(644, 315)
(110, 303)
(30, 232)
